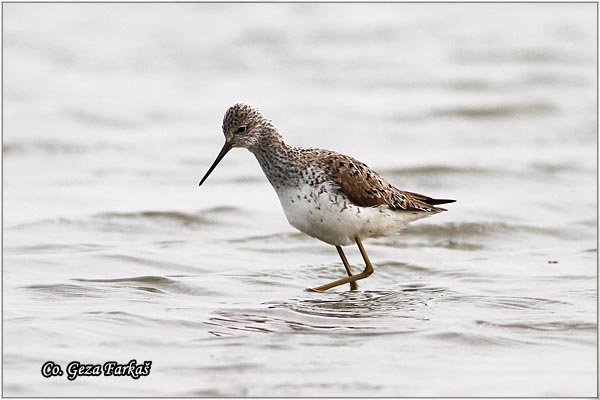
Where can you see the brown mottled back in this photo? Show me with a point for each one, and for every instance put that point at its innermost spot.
(367, 188)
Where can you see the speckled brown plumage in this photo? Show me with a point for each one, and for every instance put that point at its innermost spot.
(366, 188)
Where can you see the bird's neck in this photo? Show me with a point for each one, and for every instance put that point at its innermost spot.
(279, 161)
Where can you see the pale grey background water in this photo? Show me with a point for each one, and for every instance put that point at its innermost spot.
(112, 114)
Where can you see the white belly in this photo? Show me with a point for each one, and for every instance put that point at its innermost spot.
(332, 218)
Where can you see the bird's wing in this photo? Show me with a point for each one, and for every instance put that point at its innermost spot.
(366, 188)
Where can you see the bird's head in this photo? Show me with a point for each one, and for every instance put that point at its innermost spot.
(243, 126)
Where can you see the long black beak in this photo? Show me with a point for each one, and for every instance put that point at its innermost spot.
(224, 151)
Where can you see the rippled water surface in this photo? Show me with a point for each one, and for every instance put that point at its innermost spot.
(112, 114)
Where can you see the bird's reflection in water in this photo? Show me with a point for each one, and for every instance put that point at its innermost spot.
(361, 312)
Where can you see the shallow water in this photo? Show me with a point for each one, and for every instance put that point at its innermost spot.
(112, 114)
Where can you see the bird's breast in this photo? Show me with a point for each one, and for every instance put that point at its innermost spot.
(322, 212)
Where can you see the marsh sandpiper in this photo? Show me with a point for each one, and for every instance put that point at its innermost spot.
(327, 195)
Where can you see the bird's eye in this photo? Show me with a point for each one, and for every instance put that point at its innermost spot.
(242, 129)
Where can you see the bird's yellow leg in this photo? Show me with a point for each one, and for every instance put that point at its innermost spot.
(363, 253)
(353, 285)
(366, 272)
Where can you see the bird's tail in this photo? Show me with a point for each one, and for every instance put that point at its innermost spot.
(434, 202)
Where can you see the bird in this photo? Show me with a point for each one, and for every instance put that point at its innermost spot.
(325, 194)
